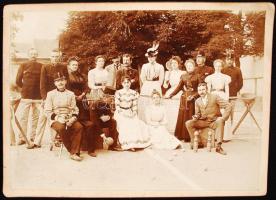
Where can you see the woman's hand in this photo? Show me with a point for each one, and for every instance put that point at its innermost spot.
(190, 98)
(79, 98)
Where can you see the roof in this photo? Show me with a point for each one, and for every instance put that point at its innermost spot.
(43, 47)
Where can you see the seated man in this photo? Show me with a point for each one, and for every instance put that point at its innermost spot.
(62, 111)
(105, 125)
(207, 114)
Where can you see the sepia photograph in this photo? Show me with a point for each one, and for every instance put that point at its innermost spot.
(136, 99)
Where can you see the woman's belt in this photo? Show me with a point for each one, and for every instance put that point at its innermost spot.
(125, 108)
(98, 84)
(154, 79)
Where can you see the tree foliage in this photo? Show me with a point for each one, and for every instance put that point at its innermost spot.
(182, 33)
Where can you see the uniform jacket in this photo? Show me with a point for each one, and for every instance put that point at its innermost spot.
(47, 77)
(236, 79)
(58, 103)
(28, 77)
(204, 71)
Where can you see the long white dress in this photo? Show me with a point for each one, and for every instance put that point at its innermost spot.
(217, 82)
(133, 133)
(152, 77)
(96, 78)
(156, 120)
(173, 77)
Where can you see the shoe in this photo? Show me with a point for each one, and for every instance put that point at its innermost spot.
(21, 142)
(92, 154)
(37, 146)
(220, 150)
(78, 154)
(117, 148)
(225, 141)
(132, 149)
(32, 140)
(75, 157)
(31, 146)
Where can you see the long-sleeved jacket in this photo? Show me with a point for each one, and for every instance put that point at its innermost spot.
(77, 83)
(211, 111)
(47, 77)
(236, 79)
(28, 77)
(204, 71)
(60, 103)
(132, 73)
(189, 81)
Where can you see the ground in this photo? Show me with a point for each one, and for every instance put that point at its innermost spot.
(149, 172)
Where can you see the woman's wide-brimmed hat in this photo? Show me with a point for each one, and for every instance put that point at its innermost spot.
(153, 51)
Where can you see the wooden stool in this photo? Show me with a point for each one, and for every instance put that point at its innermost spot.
(57, 143)
(206, 136)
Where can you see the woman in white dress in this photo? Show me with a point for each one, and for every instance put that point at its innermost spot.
(152, 73)
(172, 76)
(218, 83)
(156, 119)
(133, 133)
(97, 78)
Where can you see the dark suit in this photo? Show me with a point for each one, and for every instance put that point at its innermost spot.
(236, 79)
(204, 71)
(210, 115)
(47, 77)
(28, 77)
(132, 73)
(98, 109)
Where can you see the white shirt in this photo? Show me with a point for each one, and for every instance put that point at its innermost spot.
(97, 76)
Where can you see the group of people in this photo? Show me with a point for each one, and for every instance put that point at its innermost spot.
(104, 103)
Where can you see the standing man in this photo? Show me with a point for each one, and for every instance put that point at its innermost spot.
(207, 114)
(27, 78)
(202, 69)
(235, 84)
(62, 112)
(112, 70)
(47, 84)
(235, 74)
(126, 70)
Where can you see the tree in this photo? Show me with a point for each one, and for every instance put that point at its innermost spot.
(182, 33)
(254, 33)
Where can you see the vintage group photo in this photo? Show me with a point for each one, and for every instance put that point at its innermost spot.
(136, 99)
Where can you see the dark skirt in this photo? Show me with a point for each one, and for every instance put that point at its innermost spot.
(185, 113)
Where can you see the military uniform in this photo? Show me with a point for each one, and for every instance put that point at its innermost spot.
(48, 72)
(204, 71)
(236, 79)
(27, 78)
(63, 103)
